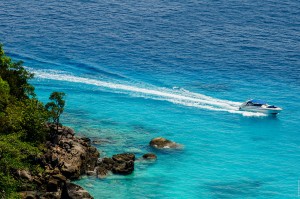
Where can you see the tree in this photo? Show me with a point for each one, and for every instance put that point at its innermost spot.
(4, 93)
(56, 107)
(16, 76)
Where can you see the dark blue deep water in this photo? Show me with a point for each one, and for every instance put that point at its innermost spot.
(135, 70)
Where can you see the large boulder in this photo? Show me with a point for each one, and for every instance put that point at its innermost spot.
(124, 157)
(124, 168)
(119, 164)
(72, 157)
(163, 143)
(124, 163)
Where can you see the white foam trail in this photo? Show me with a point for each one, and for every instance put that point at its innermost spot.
(177, 96)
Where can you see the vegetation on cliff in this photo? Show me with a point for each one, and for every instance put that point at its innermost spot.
(22, 124)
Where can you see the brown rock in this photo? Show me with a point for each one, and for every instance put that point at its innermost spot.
(51, 195)
(52, 185)
(28, 194)
(102, 172)
(149, 156)
(77, 192)
(124, 157)
(124, 168)
(162, 143)
(60, 177)
(25, 175)
(70, 171)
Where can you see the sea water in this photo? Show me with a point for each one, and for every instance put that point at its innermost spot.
(136, 70)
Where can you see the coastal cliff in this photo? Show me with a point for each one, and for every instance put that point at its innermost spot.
(67, 160)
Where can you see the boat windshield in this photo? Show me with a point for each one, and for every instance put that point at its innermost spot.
(253, 104)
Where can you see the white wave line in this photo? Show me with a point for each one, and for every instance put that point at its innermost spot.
(182, 97)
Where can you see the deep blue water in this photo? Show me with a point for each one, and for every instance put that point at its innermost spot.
(135, 70)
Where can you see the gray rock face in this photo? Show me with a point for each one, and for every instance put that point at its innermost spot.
(163, 143)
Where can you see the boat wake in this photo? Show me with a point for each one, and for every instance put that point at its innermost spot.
(175, 95)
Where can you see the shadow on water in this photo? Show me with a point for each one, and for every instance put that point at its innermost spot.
(243, 189)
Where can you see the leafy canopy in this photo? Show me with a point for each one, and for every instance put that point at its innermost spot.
(22, 123)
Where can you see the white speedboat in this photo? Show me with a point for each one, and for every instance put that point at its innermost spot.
(259, 106)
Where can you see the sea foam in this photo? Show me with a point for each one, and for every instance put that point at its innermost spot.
(177, 96)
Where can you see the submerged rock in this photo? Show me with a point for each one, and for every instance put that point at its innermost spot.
(162, 143)
(150, 156)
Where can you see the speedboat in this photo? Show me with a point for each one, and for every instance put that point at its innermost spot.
(255, 105)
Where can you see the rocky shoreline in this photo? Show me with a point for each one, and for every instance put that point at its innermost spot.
(69, 157)
(64, 160)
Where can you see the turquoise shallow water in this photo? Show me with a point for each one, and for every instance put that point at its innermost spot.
(133, 71)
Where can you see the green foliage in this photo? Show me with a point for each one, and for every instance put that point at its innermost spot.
(27, 117)
(15, 152)
(56, 107)
(14, 155)
(16, 76)
(22, 123)
(4, 93)
(8, 186)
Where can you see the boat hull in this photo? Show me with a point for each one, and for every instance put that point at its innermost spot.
(269, 111)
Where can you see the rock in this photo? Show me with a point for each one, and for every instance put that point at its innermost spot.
(98, 141)
(93, 155)
(51, 195)
(86, 140)
(124, 157)
(150, 156)
(91, 173)
(71, 171)
(60, 177)
(67, 131)
(72, 157)
(63, 159)
(102, 172)
(124, 168)
(108, 161)
(118, 164)
(52, 185)
(25, 175)
(162, 143)
(123, 163)
(37, 181)
(77, 192)
(28, 194)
